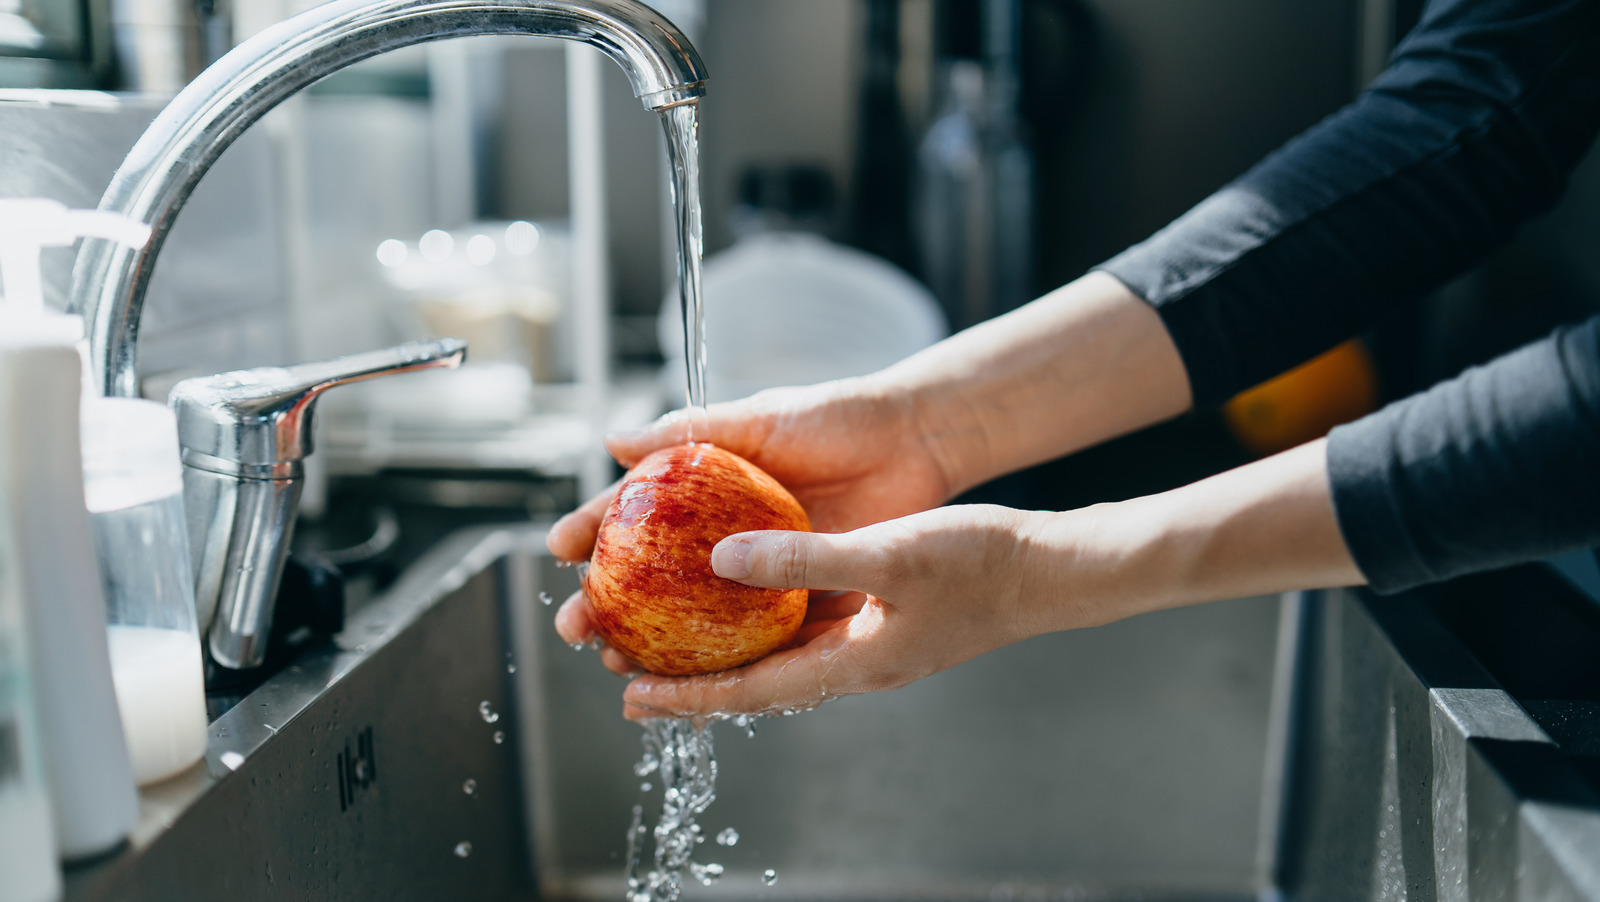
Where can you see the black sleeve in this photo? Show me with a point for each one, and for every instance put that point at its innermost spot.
(1484, 111)
(1497, 466)
(1474, 127)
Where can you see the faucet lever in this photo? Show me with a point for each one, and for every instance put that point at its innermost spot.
(244, 435)
(257, 422)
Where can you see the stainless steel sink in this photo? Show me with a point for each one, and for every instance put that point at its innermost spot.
(1109, 763)
(343, 776)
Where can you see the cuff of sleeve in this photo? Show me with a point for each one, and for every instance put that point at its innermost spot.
(1176, 271)
(1205, 357)
(1360, 463)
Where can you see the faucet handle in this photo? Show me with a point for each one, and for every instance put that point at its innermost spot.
(256, 423)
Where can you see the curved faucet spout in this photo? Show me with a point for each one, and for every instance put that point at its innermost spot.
(162, 169)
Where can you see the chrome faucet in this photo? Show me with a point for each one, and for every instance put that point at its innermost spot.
(179, 147)
(244, 435)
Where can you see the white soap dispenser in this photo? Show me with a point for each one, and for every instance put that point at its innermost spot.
(28, 869)
(41, 386)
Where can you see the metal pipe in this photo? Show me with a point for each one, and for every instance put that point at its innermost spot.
(162, 169)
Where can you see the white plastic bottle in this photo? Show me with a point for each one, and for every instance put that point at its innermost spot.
(28, 870)
(41, 385)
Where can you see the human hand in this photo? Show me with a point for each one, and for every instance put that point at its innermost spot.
(937, 588)
(850, 451)
(923, 593)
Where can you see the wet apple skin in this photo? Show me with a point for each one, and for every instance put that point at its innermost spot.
(650, 586)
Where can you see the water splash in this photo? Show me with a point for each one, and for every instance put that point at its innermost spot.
(683, 757)
(728, 837)
(707, 874)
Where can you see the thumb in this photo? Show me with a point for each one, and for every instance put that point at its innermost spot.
(778, 559)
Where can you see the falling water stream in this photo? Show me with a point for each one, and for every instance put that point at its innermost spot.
(682, 758)
(678, 754)
(682, 124)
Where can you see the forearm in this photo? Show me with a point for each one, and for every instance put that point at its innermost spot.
(946, 585)
(1265, 527)
(1474, 128)
(1085, 363)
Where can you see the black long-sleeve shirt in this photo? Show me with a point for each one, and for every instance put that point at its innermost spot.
(1474, 127)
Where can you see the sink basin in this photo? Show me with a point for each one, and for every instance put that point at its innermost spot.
(342, 776)
(1109, 763)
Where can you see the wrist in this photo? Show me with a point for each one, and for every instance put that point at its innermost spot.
(1262, 528)
(934, 423)
(1099, 564)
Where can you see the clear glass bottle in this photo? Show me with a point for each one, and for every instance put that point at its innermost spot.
(133, 483)
(973, 203)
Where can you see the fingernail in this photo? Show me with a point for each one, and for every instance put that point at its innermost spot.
(625, 435)
(731, 558)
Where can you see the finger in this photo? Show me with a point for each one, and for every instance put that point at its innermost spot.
(619, 663)
(573, 621)
(667, 430)
(779, 559)
(798, 678)
(834, 605)
(737, 426)
(572, 536)
(812, 629)
(634, 712)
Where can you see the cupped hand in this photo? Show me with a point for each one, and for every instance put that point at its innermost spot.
(852, 452)
(923, 593)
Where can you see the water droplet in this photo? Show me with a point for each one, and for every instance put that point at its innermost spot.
(563, 565)
(706, 873)
(487, 712)
(545, 599)
(511, 668)
(769, 877)
(578, 646)
(683, 757)
(747, 723)
(463, 849)
(646, 786)
(728, 837)
(470, 786)
(499, 736)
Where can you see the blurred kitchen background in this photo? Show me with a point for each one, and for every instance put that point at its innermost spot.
(992, 151)
(987, 152)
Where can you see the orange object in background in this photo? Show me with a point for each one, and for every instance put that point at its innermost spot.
(1306, 402)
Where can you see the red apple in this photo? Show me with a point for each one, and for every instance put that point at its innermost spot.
(649, 583)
